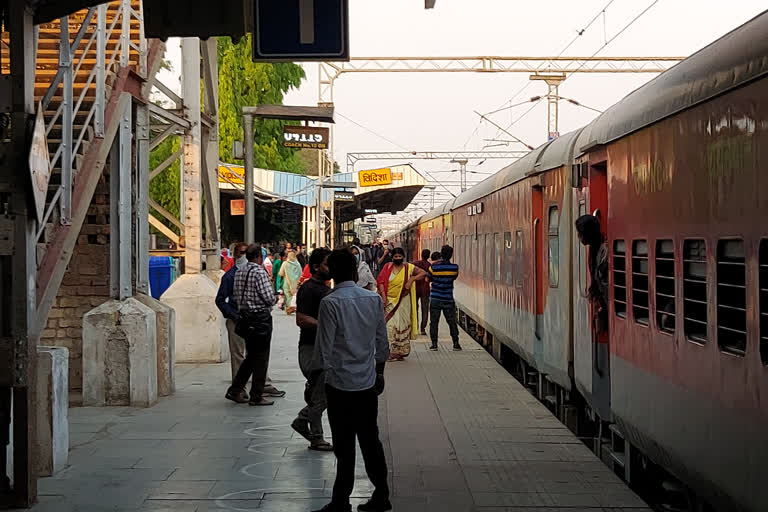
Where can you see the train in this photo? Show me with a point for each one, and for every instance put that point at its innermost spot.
(677, 174)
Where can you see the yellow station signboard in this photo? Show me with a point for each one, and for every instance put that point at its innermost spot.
(230, 176)
(375, 177)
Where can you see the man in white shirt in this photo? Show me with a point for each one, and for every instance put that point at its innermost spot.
(351, 347)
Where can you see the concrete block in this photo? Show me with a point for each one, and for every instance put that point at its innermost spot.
(166, 343)
(120, 355)
(52, 443)
(201, 334)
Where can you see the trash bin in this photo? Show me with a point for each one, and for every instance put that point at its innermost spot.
(161, 274)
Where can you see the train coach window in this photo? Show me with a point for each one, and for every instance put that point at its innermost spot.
(498, 251)
(620, 278)
(519, 258)
(695, 290)
(554, 247)
(763, 286)
(640, 281)
(665, 285)
(508, 255)
(731, 297)
(488, 253)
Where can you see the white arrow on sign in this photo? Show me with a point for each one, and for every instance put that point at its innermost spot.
(307, 21)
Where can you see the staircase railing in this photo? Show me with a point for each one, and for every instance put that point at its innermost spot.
(90, 41)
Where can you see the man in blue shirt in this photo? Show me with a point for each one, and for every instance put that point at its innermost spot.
(442, 275)
(226, 303)
(351, 347)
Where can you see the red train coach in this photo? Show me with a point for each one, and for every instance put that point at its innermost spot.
(687, 209)
(676, 172)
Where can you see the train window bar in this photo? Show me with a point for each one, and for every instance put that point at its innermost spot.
(508, 257)
(640, 303)
(554, 246)
(488, 248)
(695, 290)
(582, 252)
(763, 287)
(497, 257)
(665, 285)
(619, 278)
(731, 297)
(519, 257)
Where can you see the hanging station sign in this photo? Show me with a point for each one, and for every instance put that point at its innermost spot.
(375, 177)
(305, 137)
(300, 30)
(370, 211)
(340, 195)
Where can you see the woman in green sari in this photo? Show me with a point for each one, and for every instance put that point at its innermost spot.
(290, 271)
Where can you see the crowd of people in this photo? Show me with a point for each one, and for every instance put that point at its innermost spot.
(347, 334)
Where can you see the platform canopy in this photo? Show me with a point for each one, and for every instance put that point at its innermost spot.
(375, 193)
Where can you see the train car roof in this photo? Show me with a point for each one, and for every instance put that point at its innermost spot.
(437, 212)
(558, 153)
(733, 60)
(510, 174)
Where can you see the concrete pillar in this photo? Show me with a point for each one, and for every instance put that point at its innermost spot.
(52, 441)
(214, 272)
(201, 334)
(191, 172)
(200, 328)
(165, 328)
(120, 355)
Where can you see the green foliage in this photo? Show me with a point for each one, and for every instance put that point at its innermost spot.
(243, 82)
(164, 188)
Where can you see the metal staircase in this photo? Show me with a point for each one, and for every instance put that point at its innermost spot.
(84, 64)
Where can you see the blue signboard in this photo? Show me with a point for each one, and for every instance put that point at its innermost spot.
(301, 30)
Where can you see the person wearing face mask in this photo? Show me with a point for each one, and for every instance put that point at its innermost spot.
(309, 422)
(395, 285)
(365, 277)
(385, 255)
(226, 303)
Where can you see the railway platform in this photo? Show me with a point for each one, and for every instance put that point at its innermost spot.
(460, 435)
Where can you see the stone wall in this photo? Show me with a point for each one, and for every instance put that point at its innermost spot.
(85, 286)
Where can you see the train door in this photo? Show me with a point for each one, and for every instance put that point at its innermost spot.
(601, 353)
(537, 200)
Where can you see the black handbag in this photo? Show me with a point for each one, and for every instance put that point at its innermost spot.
(257, 323)
(253, 323)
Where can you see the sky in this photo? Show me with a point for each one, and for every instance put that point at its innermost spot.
(436, 112)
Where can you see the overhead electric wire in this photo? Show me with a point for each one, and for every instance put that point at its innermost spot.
(382, 137)
(579, 33)
(595, 53)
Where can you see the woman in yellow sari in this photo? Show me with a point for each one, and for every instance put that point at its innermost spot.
(395, 285)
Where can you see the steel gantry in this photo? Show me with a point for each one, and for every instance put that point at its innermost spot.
(552, 70)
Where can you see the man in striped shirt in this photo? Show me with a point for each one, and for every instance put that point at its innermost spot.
(442, 274)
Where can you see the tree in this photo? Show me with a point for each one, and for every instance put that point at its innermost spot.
(164, 189)
(243, 82)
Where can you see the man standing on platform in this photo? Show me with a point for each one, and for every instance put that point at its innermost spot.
(255, 297)
(422, 290)
(226, 303)
(309, 422)
(442, 274)
(301, 255)
(352, 348)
